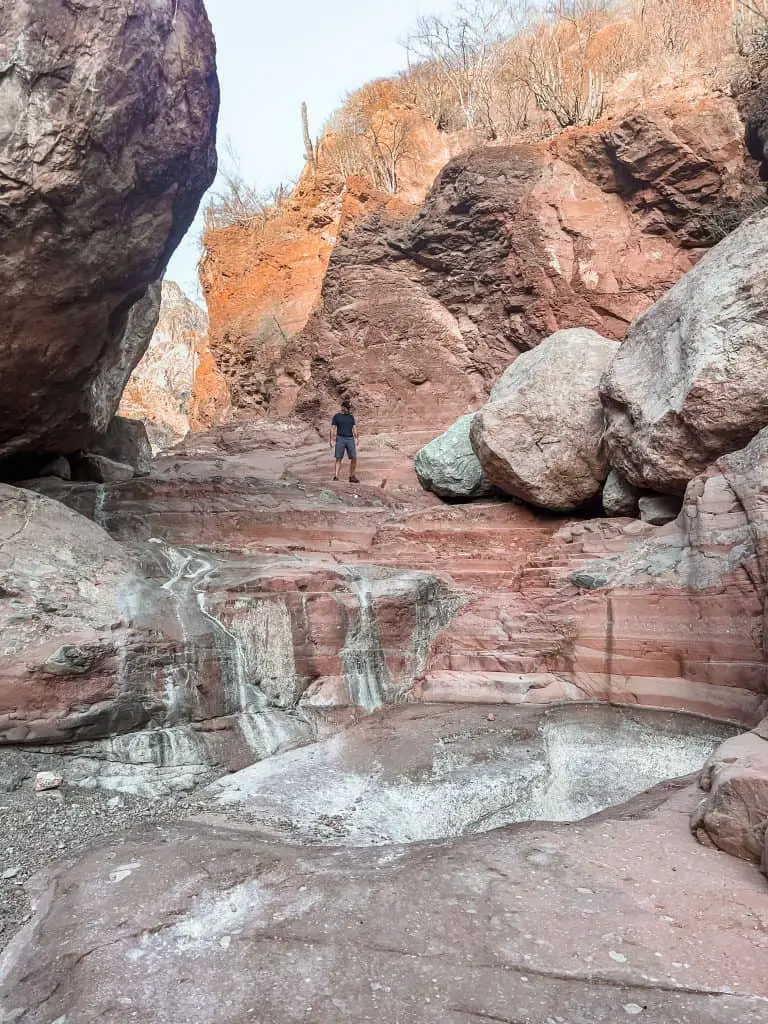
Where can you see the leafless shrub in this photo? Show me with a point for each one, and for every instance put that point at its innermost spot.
(372, 135)
(237, 202)
(750, 37)
(555, 62)
(463, 51)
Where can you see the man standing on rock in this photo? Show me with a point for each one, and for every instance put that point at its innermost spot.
(343, 439)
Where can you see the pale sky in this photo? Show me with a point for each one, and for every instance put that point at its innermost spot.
(272, 54)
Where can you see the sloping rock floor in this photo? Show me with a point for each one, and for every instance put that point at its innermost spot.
(200, 914)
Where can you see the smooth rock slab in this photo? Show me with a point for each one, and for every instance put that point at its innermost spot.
(412, 774)
(448, 465)
(202, 923)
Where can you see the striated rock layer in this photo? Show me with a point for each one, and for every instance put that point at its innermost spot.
(107, 122)
(289, 599)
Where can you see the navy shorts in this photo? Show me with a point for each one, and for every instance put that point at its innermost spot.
(345, 444)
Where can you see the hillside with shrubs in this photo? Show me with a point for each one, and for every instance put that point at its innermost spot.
(493, 74)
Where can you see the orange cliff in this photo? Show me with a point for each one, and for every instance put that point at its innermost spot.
(262, 277)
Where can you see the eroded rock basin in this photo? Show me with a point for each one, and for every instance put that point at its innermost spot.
(422, 773)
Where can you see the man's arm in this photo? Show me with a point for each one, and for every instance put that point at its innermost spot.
(333, 432)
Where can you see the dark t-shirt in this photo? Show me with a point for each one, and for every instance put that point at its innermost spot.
(344, 422)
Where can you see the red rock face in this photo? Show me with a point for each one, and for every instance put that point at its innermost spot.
(263, 280)
(513, 244)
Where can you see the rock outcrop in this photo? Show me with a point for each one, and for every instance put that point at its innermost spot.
(465, 926)
(619, 497)
(733, 816)
(108, 143)
(541, 438)
(66, 588)
(177, 386)
(263, 279)
(126, 441)
(448, 465)
(512, 244)
(690, 383)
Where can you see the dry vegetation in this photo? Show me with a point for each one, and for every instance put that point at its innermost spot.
(505, 70)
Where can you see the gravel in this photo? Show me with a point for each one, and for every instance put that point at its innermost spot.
(40, 828)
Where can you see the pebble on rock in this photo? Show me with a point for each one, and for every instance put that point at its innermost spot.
(47, 780)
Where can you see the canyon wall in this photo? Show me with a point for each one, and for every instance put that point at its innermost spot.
(262, 276)
(417, 317)
(177, 386)
(512, 244)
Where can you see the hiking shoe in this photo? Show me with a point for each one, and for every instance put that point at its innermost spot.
(354, 480)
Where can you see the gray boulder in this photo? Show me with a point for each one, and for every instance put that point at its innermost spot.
(690, 383)
(126, 441)
(540, 439)
(100, 469)
(448, 465)
(619, 496)
(658, 509)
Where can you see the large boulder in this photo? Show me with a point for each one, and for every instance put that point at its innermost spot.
(541, 440)
(67, 589)
(448, 465)
(690, 383)
(619, 497)
(733, 816)
(107, 143)
(126, 441)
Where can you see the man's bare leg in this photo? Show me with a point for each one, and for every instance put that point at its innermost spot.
(336, 470)
(352, 467)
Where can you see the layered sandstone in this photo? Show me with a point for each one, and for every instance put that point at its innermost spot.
(108, 130)
(177, 386)
(292, 598)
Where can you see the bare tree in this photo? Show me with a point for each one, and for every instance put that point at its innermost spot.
(372, 134)
(344, 148)
(555, 62)
(389, 136)
(237, 202)
(432, 95)
(463, 49)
